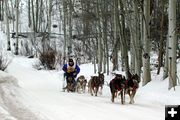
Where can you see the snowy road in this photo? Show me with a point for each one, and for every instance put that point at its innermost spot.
(44, 89)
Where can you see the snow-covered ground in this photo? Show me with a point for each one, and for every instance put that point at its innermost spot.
(43, 91)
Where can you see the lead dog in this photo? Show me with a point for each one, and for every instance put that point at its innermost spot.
(117, 87)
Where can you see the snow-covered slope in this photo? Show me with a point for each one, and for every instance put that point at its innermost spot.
(14, 102)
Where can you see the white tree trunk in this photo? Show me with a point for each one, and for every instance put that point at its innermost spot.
(100, 53)
(138, 58)
(64, 30)
(49, 17)
(147, 44)
(12, 8)
(132, 51)
(17, 24)
(123, 39)
(135, 40)
(7, 26)
(114, 56)
(70, 26)
(172, 44)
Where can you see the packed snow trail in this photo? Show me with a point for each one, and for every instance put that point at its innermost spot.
(45, 89)
(14, 102)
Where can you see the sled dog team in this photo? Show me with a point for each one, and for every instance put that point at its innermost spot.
(119, 85)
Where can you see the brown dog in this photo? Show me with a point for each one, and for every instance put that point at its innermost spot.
(132, 85)
(117, 86)
(95, 82)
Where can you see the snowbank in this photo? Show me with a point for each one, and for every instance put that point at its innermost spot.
(5, 114)
(13, 103)
(157, 90)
